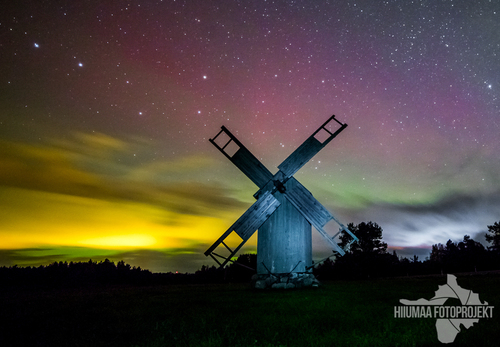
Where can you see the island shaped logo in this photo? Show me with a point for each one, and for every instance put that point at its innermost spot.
(448, 318)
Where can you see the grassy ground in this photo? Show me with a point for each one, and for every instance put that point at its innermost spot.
(343, 313)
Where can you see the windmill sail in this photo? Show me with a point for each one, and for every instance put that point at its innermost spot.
(308, 206)
(315, 213)
(242, 158)
(319, 139)
(247, 224)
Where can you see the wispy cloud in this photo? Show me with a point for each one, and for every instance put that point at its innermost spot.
(102, 167)
(451, 217)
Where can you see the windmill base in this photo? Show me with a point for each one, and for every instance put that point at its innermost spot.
(284, 281)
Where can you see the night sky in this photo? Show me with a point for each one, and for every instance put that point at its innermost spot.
(106, 108)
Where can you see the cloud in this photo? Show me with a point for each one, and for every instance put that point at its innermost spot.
(158, 171)
(412, 228)
(450, 217)
(84, 192)
(94, 166)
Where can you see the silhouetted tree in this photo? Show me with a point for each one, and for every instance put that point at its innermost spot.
(369, 238)
(452, 259)
(437, 253)
(494, 236)
(473, 254)
(437, 256)
(367, 257)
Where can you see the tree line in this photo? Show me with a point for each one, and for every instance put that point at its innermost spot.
(66, 274)
(366, 258)
(91, 274)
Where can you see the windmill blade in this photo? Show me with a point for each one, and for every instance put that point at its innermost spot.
(307, 205)
(247, 224)
(331, 241)
(313, 211)
(319, 139)
(240, 156)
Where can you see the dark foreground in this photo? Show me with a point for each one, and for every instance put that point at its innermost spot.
(342, 313)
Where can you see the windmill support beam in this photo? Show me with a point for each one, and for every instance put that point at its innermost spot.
(226, 260)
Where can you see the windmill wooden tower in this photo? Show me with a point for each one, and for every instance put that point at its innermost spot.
(284, 211)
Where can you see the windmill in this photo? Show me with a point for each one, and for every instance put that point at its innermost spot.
(283, 213)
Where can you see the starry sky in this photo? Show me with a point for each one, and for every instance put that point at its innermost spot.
(106, 109)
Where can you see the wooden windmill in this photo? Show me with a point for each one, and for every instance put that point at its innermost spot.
(284, 211)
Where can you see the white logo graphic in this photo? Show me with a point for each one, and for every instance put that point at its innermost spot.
(448, 318)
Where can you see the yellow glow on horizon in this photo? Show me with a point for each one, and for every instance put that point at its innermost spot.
(121, 241)
(31, 218)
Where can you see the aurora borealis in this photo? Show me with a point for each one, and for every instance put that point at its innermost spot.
(106, 110)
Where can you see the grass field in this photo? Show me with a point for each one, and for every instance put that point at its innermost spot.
(340, 313)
